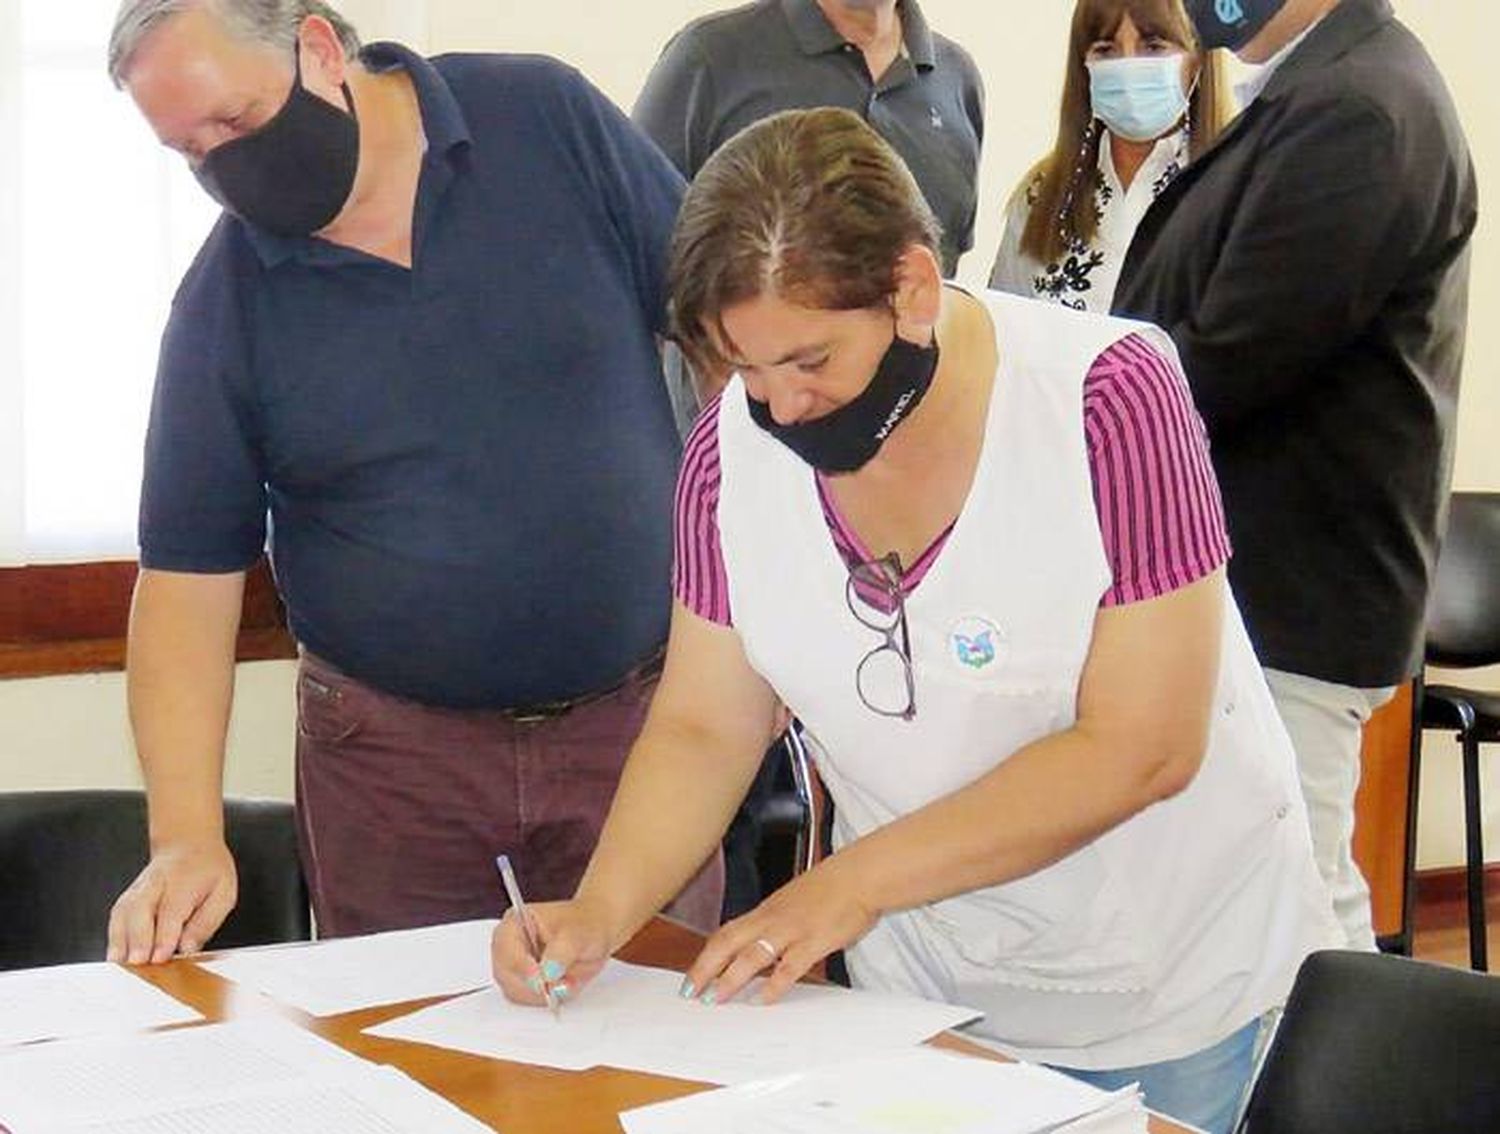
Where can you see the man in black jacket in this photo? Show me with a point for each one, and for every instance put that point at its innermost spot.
(1313, 270)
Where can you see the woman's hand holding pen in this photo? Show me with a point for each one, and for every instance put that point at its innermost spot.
(783, 937)
(575, 942)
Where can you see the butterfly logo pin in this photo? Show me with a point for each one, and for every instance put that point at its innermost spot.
(976, 643)
(975, 652)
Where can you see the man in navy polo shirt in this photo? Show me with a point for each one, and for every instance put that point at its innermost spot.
(422, 339)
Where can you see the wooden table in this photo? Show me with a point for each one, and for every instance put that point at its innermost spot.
(515, 1098)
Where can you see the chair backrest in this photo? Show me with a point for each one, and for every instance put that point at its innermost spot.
(66, 855)
(1463, 611)
(1372, 1043)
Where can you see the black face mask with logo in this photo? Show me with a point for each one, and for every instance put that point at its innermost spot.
(293, 175)
(844, 440)
(1231, 23)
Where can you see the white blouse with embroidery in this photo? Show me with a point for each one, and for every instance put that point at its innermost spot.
(1084, 277)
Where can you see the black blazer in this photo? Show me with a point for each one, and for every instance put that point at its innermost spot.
(1312, 268)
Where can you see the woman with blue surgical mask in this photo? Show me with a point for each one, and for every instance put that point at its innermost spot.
(1140, 99)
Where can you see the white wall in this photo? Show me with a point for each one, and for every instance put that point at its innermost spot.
(1019, 46)
(1457, 33)
(66, 731)
(12, 485)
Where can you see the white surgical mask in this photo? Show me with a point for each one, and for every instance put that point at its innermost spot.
(1138, 97)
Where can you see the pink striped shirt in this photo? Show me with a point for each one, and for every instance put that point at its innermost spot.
(1160, 516)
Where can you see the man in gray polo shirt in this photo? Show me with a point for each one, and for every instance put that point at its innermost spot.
(878, 58)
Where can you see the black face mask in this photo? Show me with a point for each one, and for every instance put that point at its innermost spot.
(1231, 23)
(294, 174)
(846, 438)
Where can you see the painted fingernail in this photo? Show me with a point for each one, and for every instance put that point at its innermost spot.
(710, 997)
(561, 991)
(551, 971)
(535, 984)
(687, 991)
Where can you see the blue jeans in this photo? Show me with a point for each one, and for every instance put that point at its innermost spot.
(1204, 1089)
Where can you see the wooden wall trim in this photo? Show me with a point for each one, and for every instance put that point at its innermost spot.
(1440, 884)
(71, 618)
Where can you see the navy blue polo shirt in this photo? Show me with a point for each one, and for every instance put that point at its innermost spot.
(468, 466)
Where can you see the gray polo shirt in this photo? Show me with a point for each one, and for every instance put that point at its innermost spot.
(727, 70)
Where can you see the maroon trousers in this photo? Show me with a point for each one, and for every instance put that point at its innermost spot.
(402, 807)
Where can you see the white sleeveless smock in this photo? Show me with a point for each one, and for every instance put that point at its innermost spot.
(1161, 937)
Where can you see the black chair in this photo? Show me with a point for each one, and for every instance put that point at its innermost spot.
(790, 817)
(1373, 1044)
(66, 855)
(771, 838)
(1463, 631)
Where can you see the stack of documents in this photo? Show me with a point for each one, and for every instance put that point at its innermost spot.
(631, 1017)
(266, 1077)
(81, 1000)
(350, 973)
(922, 1091)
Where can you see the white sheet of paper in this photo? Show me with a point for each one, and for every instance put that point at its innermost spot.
(380, 1101)
(102, 1077)
(82, 1000)
(631, 1017)
(263, 1077)
(350, 973)
(485, 1023)
(920, 1091)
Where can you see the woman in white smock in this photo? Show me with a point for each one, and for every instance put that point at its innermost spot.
(975, 545)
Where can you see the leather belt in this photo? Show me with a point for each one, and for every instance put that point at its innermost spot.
(551, 710)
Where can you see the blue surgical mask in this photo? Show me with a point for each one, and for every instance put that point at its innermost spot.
(1138, 97)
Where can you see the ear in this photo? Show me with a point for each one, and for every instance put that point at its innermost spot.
(919, 293)
(324, 67)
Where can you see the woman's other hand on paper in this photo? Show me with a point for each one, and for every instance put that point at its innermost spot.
(784, 937)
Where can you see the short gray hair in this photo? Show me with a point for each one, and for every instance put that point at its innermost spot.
(273, 23)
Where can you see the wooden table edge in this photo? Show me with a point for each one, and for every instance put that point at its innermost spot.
(515, 1098)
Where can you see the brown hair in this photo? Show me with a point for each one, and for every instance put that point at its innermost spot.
(1064, 181)
(809, 205)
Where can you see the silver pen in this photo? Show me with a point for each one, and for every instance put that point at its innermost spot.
(518, 903)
